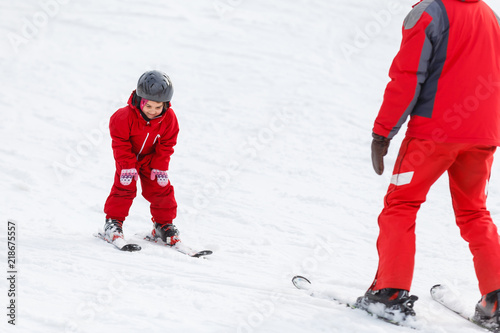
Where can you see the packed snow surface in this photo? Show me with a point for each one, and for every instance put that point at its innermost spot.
(272, 171)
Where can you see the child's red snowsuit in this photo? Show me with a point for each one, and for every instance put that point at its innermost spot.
(144, 145)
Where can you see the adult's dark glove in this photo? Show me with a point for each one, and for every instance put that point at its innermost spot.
(380, 145)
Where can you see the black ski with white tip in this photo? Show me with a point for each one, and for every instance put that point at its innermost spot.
(179, 247)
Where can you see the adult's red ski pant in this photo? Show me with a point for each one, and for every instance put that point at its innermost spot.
(162, 199)
(419, 164)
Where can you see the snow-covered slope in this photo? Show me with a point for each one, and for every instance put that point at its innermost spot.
(275, 101)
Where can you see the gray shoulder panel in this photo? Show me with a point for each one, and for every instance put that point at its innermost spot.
(416, 13)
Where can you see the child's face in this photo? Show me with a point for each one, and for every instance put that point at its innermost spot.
(152, 109)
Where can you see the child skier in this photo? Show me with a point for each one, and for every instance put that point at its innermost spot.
(143, 136)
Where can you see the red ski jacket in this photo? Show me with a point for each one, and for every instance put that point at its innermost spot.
(446, 75)
(133, 137)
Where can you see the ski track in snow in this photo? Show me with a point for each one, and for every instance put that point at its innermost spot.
(272, 170)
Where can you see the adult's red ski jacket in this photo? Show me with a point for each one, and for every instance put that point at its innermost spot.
(133, 137)
(446, 76)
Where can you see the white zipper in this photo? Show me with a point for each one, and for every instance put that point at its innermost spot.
(143, 144)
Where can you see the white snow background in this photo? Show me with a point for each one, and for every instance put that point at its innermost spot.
(272, 171)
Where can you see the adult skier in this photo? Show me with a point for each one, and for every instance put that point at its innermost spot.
(144, 134)
(446, 77)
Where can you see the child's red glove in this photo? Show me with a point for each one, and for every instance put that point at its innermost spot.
(127, 175)
(161, 177)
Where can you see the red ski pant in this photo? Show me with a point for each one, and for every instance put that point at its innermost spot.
(419, 164)
(163, 205)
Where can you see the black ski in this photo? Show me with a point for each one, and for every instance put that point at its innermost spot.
(120, 243)
(303, 283)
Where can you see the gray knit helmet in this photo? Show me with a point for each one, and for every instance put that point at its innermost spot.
(155, 86)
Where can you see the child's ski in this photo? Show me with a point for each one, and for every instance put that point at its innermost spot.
(120, 243)
(179, 247)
